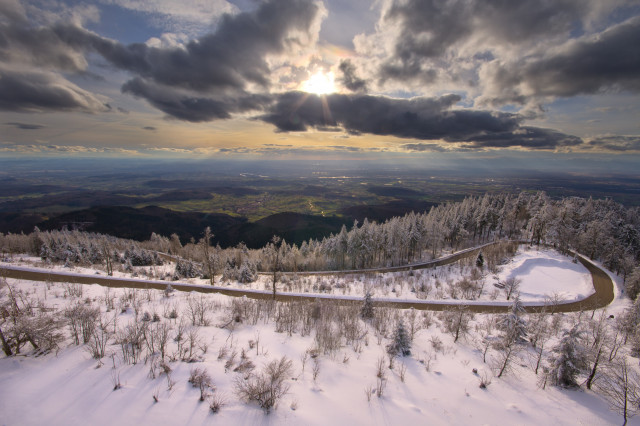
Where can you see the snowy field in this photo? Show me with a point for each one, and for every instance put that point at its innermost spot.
(435, 385)
(340, 370)
(546, 274)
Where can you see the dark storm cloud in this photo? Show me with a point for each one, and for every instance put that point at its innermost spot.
(349, 78)
(27, 91)
(589, 65)
(420, 118)
(431, 30)
(616, 143)
(526, 137)
(417, 118)
(25, 126)
(188, 107)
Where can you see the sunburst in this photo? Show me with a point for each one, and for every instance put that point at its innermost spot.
(320, 83)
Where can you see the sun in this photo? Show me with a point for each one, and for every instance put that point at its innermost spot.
(319, 83)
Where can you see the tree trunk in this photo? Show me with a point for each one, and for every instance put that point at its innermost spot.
(594, 369)
(5, 346)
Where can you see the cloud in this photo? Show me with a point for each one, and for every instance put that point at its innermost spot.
(349, 78)
(31, 91)
(423, 147)
(522, 53)
(526, 137)
(207, 78)
(232, 57)
(188, 107)
(429, 41)
(25, 126)
(416, 118)
(591, 64)
(65, 149)
(149, 128)
(616, 143)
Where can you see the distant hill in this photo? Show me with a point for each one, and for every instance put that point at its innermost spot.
(293, 227)
(383, 212)
(138, 224)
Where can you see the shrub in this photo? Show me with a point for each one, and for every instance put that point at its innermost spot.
(267, 387)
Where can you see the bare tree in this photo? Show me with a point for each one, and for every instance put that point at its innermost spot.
(274, 255)
(620, 385)
(211, 255)
(456, 320)
(511, 286)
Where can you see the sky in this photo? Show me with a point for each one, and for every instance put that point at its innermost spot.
(300, 78)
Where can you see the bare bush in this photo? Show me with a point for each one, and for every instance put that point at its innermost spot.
(25, 321)
(200, 378)
(198, 309)
(216, 402)
(267, 387)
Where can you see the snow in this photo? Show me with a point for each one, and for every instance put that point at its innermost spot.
(545, 274)
(71, 388)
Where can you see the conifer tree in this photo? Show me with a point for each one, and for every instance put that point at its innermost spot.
(367, 308)
(401, 343)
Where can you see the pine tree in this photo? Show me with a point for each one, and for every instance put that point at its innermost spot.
(570, 357)
(367, 308)
(480, 260)
(513, 324)
(401, 344)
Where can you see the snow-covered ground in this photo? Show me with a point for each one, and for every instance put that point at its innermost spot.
(544, 274)
(438, 387)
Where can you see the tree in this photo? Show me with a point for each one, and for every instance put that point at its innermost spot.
(515, 332)
(456, 321)
(211, 256)
(569, 359)
(480, 260)
(620, 385)
(513, 324)
(401, 342)
(367, 308)
(274, 254)
(511, 286)
(632, 284)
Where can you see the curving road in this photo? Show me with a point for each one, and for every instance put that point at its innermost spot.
(602, 284)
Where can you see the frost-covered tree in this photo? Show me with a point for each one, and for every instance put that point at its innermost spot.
(366, 311)
(185, 269)
(513, 324)
(632, 284)
(401, 342)
(570, 357)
